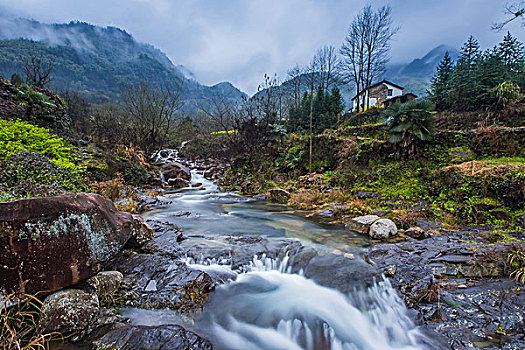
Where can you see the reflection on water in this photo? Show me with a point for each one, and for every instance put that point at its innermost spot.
(206, 211)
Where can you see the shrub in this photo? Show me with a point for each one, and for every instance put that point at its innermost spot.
(410, 122)
(16, 136)
(516, 260)
(306, 200)
(110, 189)
(136, 175)
(29, 174)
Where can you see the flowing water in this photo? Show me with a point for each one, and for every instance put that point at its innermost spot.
(263, 305)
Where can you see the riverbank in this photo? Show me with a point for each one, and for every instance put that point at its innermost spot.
(456, 285)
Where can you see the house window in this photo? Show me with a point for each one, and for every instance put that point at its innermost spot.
(390, 92)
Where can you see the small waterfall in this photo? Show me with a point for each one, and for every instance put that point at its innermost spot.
(266, 307)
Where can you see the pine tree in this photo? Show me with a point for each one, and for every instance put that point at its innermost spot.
(490, 71)
(511, 52)
(470, 52)
(463, 86)
(441, 83)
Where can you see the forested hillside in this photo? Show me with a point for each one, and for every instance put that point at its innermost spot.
(99, 62)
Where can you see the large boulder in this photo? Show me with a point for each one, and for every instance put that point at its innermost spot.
(51, 243)
(383, 229)
(362, 224)
(175, 170)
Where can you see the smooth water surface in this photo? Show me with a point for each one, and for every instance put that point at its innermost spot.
(204, 210)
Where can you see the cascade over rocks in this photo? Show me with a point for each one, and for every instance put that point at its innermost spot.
(54, 242)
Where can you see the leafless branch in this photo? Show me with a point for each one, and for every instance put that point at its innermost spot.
(516, 10)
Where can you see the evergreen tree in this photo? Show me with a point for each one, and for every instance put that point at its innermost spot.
(490, 71)
(511, 52)
(470, 52)
(463, 87)
(325, 107)
(16, 79)
(441, 83)
(336, 102)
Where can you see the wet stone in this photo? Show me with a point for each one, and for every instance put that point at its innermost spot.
(149, 338)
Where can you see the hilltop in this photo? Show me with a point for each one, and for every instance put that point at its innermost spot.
(99, 62)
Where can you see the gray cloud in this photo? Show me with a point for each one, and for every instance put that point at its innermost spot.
(239, 40)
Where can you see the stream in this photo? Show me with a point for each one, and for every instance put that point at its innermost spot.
(263, 305)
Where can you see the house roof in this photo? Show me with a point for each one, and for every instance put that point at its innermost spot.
(399, 96)
(377, 84)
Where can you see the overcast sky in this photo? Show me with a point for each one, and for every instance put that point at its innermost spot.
(241, 40)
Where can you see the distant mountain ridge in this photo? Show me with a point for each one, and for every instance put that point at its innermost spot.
(99, 62)
(416, 75)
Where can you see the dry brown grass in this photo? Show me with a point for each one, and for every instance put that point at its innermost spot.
(111, 189)
(18, 324)
(477, 167)
(306, 200)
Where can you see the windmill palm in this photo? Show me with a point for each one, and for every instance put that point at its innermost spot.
(410, 123)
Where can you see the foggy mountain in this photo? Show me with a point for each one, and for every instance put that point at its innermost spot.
(99, 62)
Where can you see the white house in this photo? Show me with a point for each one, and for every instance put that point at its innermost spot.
(376, 94)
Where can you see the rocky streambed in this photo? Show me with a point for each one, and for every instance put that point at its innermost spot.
(216, 270)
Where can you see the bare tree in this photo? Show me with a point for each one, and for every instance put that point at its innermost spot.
(153, 111)
(38, 69)
(515, 10)
(269, 100)
(366, 47)
(295, 84)
(327, 65)
(222, 112)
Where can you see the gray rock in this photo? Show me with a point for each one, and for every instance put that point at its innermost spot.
(279, 195)
(157, 281)
(261, 197)
(151, 287)
(175, 170)
(328, 213)
(383, 229)
(152, 338)
(339, 272)
(141, 234)
(362, 224)
(105, 283)
(68, 312)
(178, 183)
(416, 232)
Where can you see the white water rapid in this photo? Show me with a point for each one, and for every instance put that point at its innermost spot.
(262, 305)
(268, 308)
